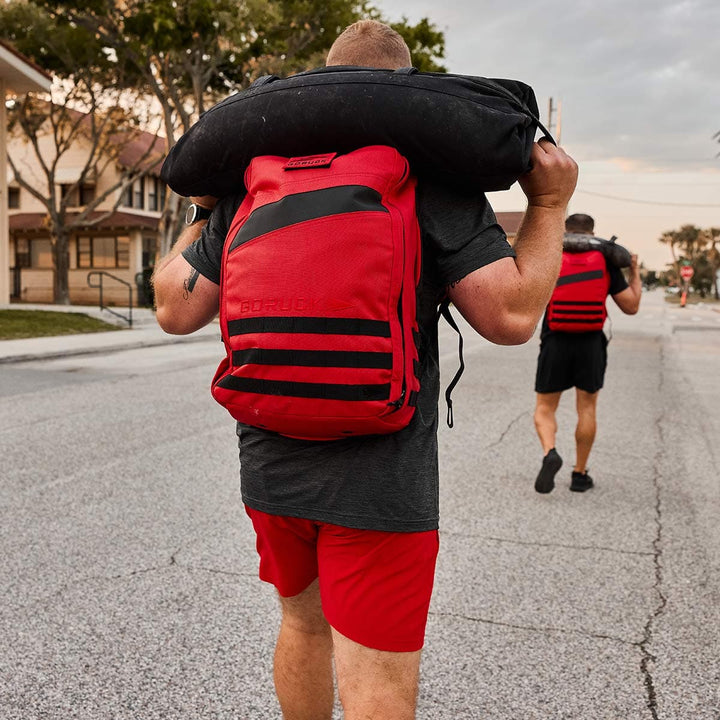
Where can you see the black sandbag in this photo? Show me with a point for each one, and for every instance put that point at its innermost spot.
(461, 128)
(616, 254)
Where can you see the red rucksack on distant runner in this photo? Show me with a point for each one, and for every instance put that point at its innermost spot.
(318, 296)
(578, 301)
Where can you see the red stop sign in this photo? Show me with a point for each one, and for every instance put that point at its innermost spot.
(686, 272)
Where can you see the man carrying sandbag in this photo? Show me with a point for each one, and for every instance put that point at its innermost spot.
(573, 346)
(347, 529)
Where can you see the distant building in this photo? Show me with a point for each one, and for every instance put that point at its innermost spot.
(122, 244)
(18, 75)
(510, 223)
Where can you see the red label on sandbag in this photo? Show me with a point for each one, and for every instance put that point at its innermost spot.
(310, 161)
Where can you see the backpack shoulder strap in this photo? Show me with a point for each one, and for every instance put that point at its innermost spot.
(444, 310)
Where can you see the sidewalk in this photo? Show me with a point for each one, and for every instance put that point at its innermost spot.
(145, 332)
(659, 317)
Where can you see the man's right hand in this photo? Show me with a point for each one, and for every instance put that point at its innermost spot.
(551, 181)
(634, 267)
(505, 300)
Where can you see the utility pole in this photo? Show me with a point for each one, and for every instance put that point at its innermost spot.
(554, 121)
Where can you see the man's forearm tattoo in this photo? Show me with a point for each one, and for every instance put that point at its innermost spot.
(189, 284)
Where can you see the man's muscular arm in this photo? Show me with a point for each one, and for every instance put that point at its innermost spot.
(628, 300)
(505, 300)
(185, 300)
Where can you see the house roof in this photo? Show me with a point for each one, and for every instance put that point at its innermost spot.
(145, 150)
(510, 221)
(149, 148)
(21, 74)
(119, 220)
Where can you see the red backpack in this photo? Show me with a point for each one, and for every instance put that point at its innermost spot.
(578, 301)
(318, 296)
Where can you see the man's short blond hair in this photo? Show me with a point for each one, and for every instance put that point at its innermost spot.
(369, 43)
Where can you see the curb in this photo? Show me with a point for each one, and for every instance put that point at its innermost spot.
(54, 355)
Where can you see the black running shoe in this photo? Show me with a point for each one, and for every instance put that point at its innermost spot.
(545, 482)
(581, 482)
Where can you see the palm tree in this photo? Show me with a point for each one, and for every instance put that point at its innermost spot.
(690, 240)
(669, 238)
(713, 239)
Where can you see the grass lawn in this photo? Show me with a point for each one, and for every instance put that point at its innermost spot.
(15, 324)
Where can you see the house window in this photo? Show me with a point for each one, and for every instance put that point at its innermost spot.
(139, 193)
(103, 252)
(122, 252)
(13, 198)
(84, 252)
(69, 194)
(134, 194)
(22, 253)
(153, 193)
(87, 194)
(75, 196)
(40, 253)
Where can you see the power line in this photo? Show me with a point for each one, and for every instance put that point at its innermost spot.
(648, 202)
(651, 158)
(592, 179)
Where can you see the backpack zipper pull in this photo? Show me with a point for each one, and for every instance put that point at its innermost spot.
(397, 404)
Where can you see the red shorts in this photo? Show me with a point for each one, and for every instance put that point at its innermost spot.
(375, 587)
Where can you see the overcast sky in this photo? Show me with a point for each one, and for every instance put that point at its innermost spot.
(639, 85)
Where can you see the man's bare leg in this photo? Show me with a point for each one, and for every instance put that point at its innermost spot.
(303, 658)
(545, 422)
(586, 428)
(375, 684)
(546, 427)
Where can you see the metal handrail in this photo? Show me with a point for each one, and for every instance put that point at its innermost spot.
(100, 274)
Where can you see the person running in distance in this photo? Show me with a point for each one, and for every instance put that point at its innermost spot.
(578, 359)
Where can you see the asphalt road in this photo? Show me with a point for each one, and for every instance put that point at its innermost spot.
(128, 583)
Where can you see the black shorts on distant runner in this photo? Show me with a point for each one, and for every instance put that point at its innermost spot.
(571, 360)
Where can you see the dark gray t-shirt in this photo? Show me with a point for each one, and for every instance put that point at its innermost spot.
(378, 482)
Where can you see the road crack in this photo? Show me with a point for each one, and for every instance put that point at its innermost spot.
(564, 546)
(534, 628)
(507, 429)
(648, 658)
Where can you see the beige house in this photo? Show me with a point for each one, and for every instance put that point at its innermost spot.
(121, 246)
(18, 75)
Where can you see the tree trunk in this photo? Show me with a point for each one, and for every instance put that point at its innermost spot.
(61, 262)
